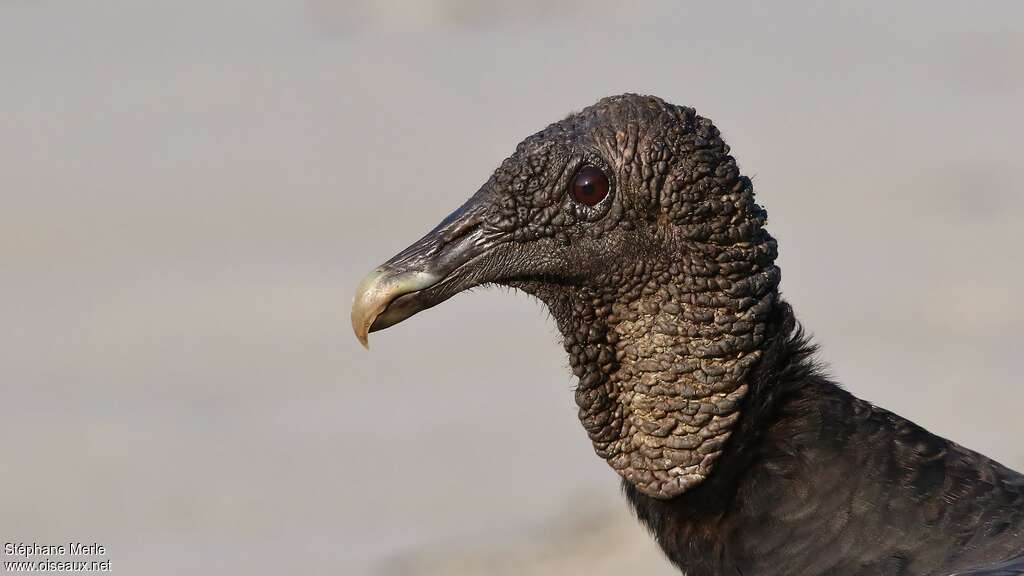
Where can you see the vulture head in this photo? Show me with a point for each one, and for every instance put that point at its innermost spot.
(632, 223)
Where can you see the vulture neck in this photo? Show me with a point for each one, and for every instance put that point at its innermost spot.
(662, 351)
(780, 411)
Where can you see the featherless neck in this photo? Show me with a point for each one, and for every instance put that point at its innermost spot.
(662, 359)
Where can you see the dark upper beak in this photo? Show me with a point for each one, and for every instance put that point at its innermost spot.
(423, 275)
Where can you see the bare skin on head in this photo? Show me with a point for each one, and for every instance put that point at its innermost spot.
(660, 340)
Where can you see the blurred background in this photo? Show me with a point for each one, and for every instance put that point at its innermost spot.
(192, 189)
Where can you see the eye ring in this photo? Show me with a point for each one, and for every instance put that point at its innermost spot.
(589, 186)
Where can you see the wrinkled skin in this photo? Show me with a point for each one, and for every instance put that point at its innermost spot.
(662, 339)
(694, 383)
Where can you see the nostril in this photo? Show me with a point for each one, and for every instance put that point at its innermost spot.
(461, 228)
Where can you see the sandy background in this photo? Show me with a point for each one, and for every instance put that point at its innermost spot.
(192, 189)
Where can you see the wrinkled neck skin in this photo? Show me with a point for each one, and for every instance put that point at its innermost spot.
(661, 348)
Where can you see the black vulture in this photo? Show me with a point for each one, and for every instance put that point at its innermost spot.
(631, 222)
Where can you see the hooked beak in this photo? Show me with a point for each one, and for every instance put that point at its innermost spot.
(421, 276)
(387, 297)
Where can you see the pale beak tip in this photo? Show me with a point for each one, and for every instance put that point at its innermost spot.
(362, 336)
(366, 305)
(360, 327)
(377, 291)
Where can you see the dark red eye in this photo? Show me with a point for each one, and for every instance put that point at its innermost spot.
(590, 186)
